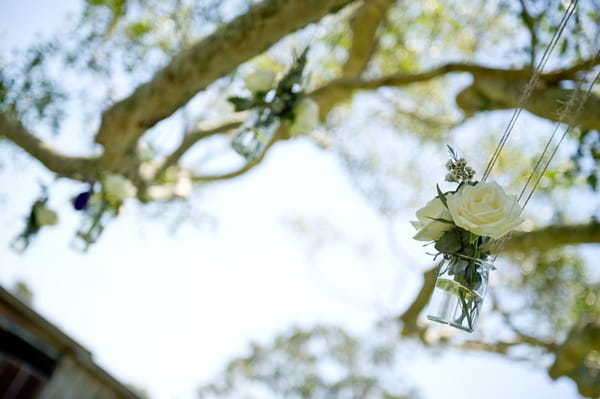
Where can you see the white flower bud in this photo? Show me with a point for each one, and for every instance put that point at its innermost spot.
(44, 216)
(306, 117)
(450, 165)
(118, 188)
(259, 80)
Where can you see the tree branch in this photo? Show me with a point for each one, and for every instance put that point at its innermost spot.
(553, 236)
(492, 88)
(572, 358)
(194, 69)
(410, 316)
(281, 134)
(544, 101)
(364, 24)
(203, 131)
(79, 168)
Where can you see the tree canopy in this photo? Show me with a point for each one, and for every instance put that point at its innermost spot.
(155, 88)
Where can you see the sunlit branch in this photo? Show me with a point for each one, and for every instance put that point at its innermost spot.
(508, 84)
(282, 132)
(364, 25)
(410, 316)
(193, 69)
(74, 167)
(553, 236)
(202, 132)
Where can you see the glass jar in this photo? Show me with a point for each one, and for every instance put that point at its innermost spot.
(254, 136)
(459, 291)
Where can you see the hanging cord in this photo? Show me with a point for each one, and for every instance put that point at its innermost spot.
(529, 88)
(566, 110)
(567, 130)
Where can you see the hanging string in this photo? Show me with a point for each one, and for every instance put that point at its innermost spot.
(529, 88)
(566, 110)
(567, 130)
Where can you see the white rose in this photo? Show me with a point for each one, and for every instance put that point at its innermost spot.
(44, 216)
(306, 117)
(429, 229)
(259, 80)
(485, 209)
(118, 188)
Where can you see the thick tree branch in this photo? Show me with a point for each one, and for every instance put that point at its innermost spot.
(500, 89)
(572, 358)
(364, 24)
(74, 167)
(553, 236)
(194, 69)
(410, 316)
(544, 101)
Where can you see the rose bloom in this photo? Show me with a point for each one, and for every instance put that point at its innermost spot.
(118, 187)
(429, 229)
(306, 117)
(485, 209)
(44, 216)
(259, 80)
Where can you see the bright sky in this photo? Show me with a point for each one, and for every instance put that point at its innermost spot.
(165, 312)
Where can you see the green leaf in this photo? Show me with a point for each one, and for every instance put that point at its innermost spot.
(242, 103)
(442, 196)
(442, 220)
(294, 75)
(473, 238)
(592, 180)
(449, 243)
(452, 153)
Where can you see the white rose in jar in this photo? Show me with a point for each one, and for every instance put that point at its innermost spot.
(429, 229)
(259, 80)
(485, 209)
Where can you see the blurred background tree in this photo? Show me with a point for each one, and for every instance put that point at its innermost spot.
(146, 83)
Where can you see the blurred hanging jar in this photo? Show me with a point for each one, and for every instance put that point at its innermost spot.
(252, 138)
(98, 208)
(459, 291)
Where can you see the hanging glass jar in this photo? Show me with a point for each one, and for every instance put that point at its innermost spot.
(459, 291)
(92, 226)
(253, 137)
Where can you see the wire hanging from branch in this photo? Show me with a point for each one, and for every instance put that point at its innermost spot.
(530, 85)
(578, 97)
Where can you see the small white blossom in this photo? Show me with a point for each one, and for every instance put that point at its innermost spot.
(259, 80)
(44, 216)
(118, 188)
(450, 165)
(306, 117)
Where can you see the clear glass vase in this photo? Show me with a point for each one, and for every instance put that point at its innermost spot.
(254, 136)
(459, 291)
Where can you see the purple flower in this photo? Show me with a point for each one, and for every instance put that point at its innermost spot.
(81, 201)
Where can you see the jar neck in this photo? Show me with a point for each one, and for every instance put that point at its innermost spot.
(482, 265)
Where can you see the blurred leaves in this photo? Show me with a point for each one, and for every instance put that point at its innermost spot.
(320, 362)
(556, 289)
